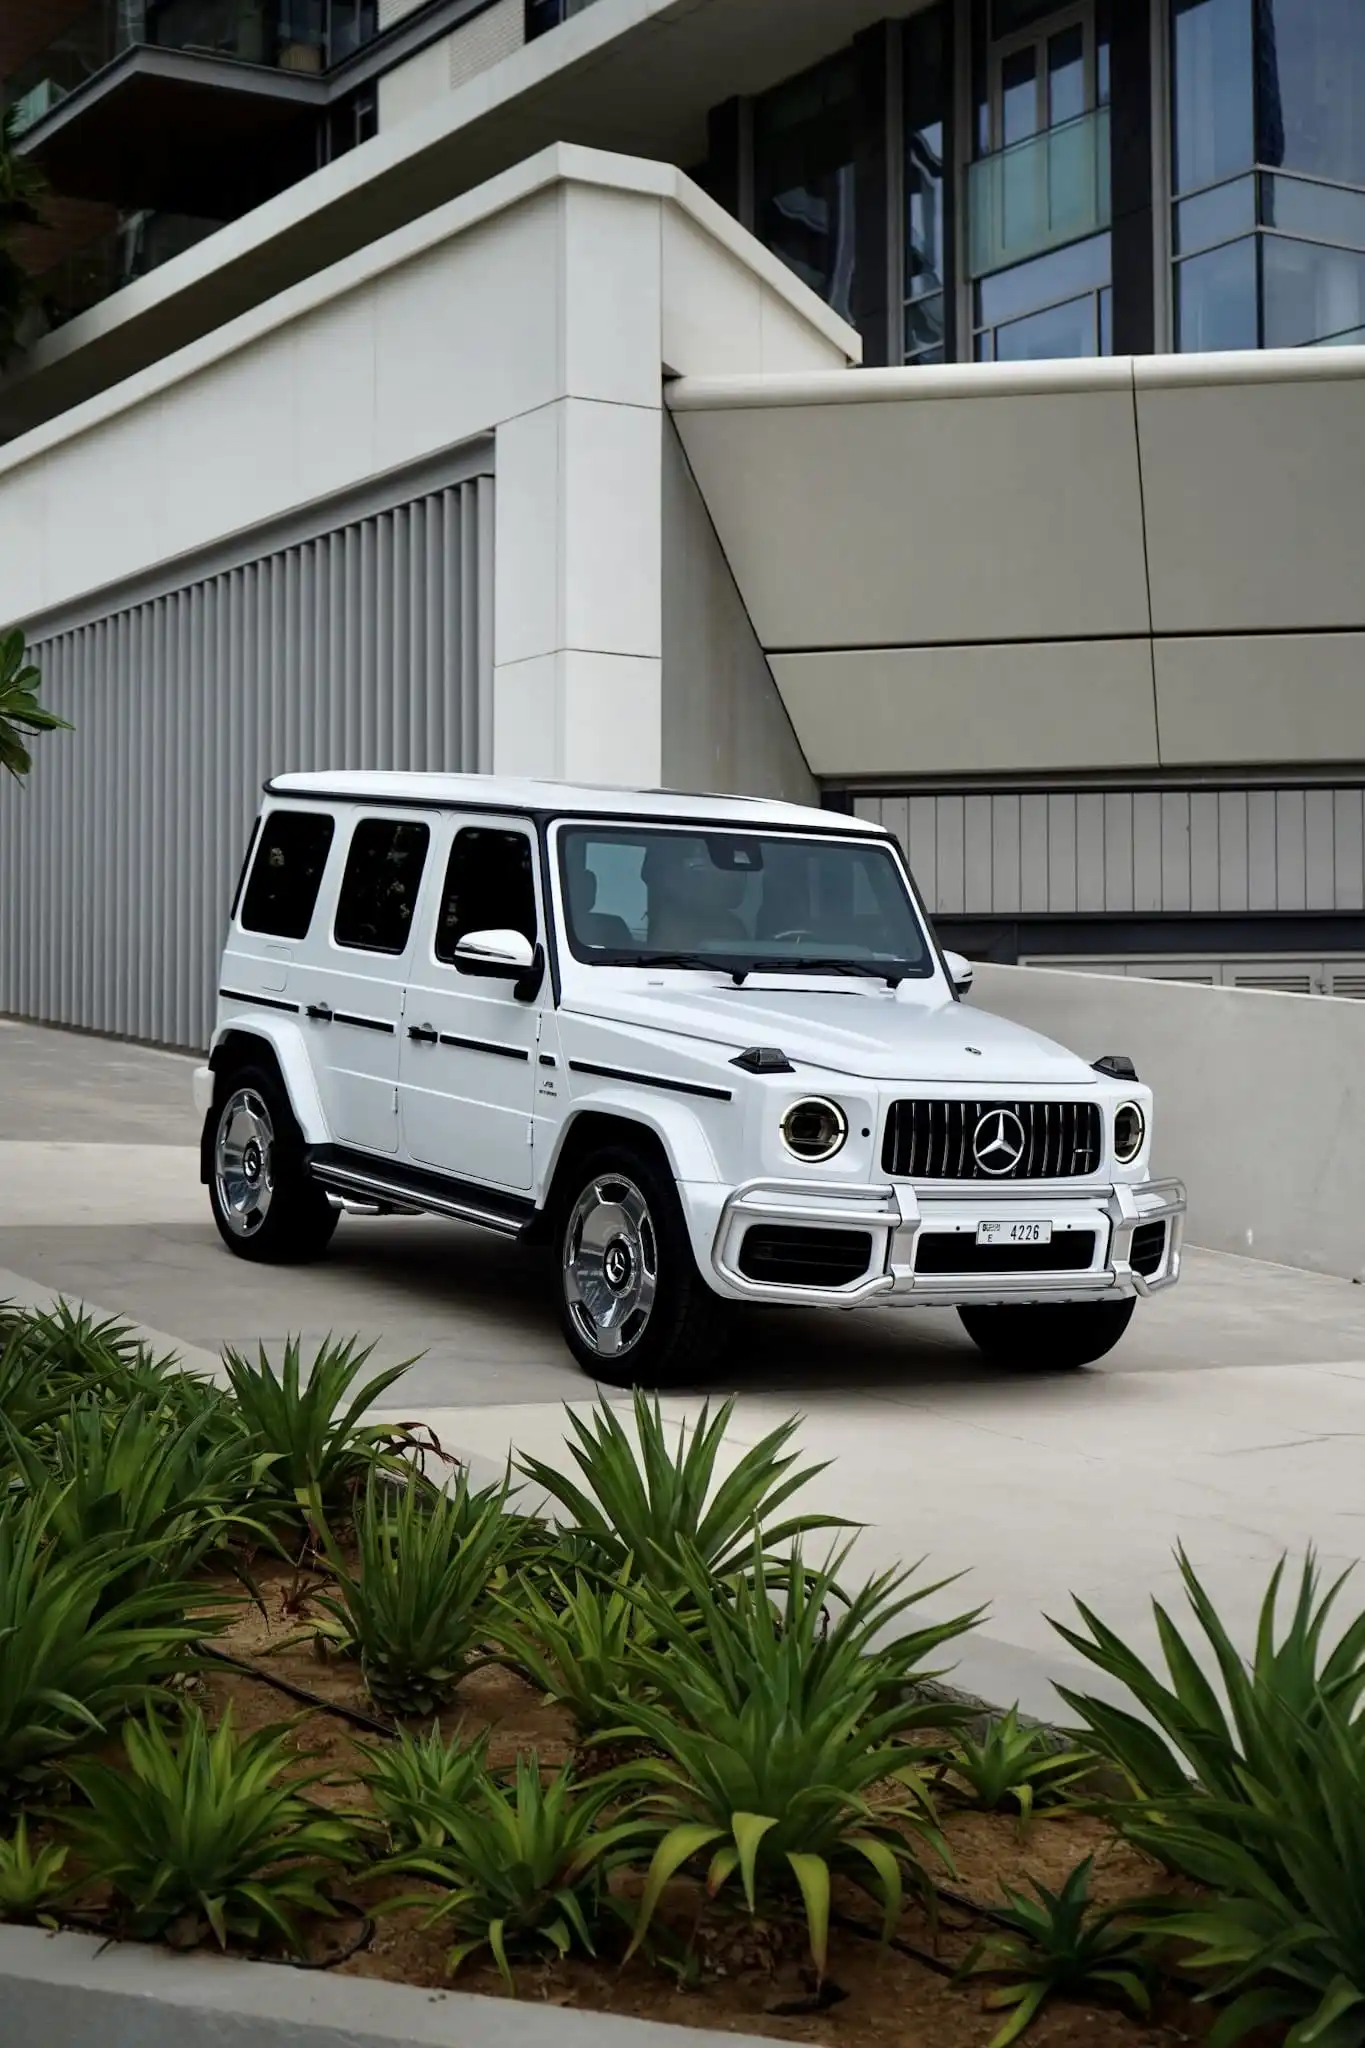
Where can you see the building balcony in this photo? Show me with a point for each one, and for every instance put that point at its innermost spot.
(200, 107)
(543, 15)
(140, 243)
(1036, 195)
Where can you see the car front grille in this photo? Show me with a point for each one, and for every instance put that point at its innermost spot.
(939, 1140)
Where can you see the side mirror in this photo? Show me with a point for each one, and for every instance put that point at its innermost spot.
(960, 972)
(495, 956)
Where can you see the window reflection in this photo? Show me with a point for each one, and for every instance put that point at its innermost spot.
(805, 179)
(927, 90)
(1058, 305)
(1212, 67)
(1216, 298)
(1312, 294)
(1311, 76)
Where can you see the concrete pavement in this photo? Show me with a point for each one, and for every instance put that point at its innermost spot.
(1231, 1418)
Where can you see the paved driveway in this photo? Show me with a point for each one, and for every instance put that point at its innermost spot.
(1232, 1417)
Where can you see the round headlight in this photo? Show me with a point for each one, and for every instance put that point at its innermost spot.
(814, 1130)
(1130, 1133)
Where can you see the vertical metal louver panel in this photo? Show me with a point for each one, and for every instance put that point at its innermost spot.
(368, 646)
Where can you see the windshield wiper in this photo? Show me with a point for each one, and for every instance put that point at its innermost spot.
(893, 973)
(706, 962)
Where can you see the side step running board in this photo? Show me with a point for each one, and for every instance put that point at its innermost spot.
(356, 1177)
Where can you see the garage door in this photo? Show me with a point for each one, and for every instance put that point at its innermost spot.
(359, 639)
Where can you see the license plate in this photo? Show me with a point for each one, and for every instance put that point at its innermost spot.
(1014, 1233)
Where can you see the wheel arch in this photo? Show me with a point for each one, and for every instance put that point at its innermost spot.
(676, 1142)
(278, 1047)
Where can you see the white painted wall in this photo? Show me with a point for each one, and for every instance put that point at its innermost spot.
(543, 308)
(1260, 1100)
(475, 46)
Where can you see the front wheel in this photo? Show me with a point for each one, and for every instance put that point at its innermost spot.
(635, 1311)
(265, 1205)
(1047, 1336)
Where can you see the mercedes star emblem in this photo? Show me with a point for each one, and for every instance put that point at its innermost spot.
(998, 1143)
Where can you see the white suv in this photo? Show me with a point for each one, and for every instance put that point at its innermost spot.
(706, 1047)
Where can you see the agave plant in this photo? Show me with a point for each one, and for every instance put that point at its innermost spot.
(1059, 1944)
(576, 1645)
(654, 1506)
(32, 1881)
(205, 1831)
(1014, 1767)
(416, 1781)
(773, 1721)
(525, 1866)
(320, 1450)
(163, 1488)
(415, 1609)
(1182, 1730)
(71, 1661)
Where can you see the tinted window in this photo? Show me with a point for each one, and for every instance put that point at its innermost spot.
(727, 899)
(490, 887)
(379, 888)
(287, 873)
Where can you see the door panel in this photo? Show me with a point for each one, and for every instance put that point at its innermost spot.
(467, 1062)
(352, 988)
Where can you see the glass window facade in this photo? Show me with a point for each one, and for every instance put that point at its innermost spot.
(927, 99)
(1268, 171)
(805, 178)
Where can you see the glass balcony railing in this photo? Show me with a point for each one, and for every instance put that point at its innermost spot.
(1038, 194)
(543, 15)
(288, 35)
(142, 242)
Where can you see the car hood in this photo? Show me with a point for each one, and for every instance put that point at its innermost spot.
(848, 1029)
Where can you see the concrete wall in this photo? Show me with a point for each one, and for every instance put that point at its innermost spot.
(1146, 563)
(542, 307)
(1260, 1100)
(724, 724)
(451, 62)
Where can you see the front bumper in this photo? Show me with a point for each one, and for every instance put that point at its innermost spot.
(899, 1218)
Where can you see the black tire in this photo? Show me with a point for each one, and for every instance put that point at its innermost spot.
(266, 1207)
(1047, 1336)
(619, 1237)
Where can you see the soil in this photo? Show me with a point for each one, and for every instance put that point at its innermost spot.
(754, 1978)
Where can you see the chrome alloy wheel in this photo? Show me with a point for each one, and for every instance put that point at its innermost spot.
(243, 1162)
(611, 1266)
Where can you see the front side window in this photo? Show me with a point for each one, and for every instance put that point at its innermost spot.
(379, 889)
(490, 887)
(291, 853)
(636, 896)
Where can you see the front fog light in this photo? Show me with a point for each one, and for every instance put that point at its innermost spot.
(814, 1130)
(1130, 1133)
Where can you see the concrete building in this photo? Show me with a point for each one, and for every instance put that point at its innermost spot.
(955, 410)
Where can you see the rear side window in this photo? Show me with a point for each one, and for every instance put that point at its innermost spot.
(286, 874)
(379, 889)
(489, 888)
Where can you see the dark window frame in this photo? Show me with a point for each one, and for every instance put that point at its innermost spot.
(261, 844)
(508, 832)
(396, 825)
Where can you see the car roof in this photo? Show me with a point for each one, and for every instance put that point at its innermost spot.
(557, 799)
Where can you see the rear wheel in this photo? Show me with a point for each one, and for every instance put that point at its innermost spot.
(634, 1309)
(1047, 1336)
(265, 1205)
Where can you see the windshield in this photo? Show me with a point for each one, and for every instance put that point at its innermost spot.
(636, 896)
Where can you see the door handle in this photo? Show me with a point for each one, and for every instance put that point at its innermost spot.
(422, 1034)
(321, 1012)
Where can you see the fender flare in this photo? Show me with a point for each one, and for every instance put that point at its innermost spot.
(677, 1126)
(286, 1041)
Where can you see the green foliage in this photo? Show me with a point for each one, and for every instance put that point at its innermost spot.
(577, 1645)
(525, 1866)
(147, 1481)
(1059, 1944)
(772, 1717)
(71, 1661)
(1014, 1767)
(655, 1506)
(321, 1450)
(1182, 1729)
(203, 1831)
(31, 1881)
(415, 1609)
(416, 1780)
(21, 715)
